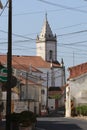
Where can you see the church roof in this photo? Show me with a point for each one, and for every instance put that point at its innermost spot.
(23, 62)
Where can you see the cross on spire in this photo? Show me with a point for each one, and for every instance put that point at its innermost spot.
(46, 16)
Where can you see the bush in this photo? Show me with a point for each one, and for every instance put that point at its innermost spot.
(27, 118)
(14, 117)
(81, 110)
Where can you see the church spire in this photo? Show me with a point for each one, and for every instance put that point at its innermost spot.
(46, 32)
(47, 43)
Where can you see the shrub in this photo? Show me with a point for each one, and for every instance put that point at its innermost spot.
(81, 110)
(27, 118)
(14, 117)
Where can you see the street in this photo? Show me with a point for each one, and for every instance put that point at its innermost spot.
(61, 123)
(58, 123)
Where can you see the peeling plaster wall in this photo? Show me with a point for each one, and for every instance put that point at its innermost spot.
(78, 90)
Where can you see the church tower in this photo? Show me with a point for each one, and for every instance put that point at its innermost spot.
(46, 43)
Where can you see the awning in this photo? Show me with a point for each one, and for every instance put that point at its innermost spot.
(3, 75)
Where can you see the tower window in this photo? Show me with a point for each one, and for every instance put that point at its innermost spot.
(50, 54)
(49, 35)
(42, 91)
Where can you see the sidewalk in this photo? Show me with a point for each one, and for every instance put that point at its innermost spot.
(81, 117)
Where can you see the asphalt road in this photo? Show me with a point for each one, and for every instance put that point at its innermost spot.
(61, 123)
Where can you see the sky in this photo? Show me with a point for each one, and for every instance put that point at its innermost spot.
(67, 19)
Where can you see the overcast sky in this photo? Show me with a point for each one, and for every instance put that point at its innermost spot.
(67, 19)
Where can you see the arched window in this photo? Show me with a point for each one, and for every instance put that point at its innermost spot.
(50, 54)
(42, 91)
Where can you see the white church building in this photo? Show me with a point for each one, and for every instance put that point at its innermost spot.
(46, 47)
(45, 60)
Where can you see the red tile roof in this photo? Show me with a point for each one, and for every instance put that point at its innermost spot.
(23, 62)
(78, 70)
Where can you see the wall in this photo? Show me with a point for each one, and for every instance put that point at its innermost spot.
(78, 89)
(58, 76)
(41, 50)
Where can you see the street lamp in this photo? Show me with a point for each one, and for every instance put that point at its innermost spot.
(9, 67)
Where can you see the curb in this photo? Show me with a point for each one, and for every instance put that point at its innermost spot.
(39, 128)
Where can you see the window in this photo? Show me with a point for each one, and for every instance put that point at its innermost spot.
(50, 54)
(42, 91)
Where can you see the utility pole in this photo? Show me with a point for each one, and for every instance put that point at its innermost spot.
(52, 76)
(9, 67)
(47, 91)
(1, 6)
(27, 86)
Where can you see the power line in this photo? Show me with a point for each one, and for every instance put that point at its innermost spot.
(66, 34)
(63, 6)
(74, 43)
(70, 26)
(4, 8)
(38, 12)
(17, 35)
(73, 33)
(66, 45)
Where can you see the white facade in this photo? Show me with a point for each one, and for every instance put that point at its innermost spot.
(76, 91)
(40, 50)
(57, 76)
(32, 94)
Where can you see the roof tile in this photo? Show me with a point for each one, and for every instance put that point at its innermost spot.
(23, 62)
(78, 70)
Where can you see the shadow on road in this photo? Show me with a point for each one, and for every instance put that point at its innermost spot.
(50, 125)
(59, 112)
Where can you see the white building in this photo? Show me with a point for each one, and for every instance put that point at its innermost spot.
(46, 44)
(76, 89)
